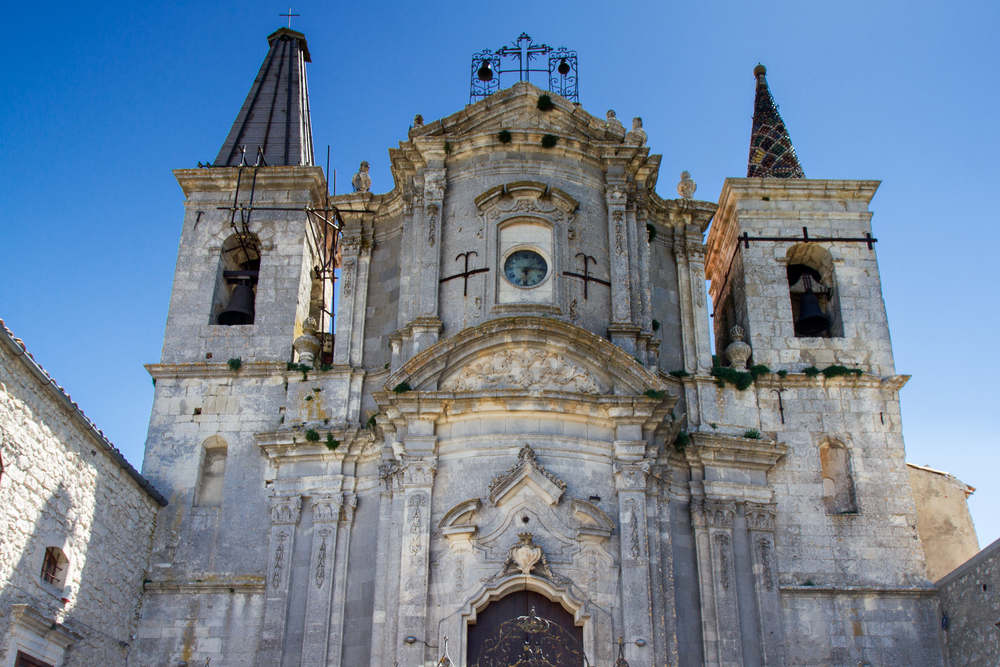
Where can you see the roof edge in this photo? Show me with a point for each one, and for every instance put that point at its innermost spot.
(21, 350)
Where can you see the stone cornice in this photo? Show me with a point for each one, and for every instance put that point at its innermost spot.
(928, 591)
(211, 584)
(223, 179)
(774, 381)
(733, 451)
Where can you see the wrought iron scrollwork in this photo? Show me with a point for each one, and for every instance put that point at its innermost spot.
(519, 56)
(530, 641)
(563, 79)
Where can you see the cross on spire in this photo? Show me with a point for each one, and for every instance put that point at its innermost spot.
(289, 15)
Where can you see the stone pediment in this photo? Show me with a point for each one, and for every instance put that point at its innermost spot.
(516, 109)
(526, 472)
(526, 354)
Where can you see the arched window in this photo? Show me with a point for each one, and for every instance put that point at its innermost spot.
(838, 484)
(813, 292)
(212, 473)
(54, 566)
(236, 284)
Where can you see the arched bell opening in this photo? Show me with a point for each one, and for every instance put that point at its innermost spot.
(236, 285)
(812, 290)
(524, 628)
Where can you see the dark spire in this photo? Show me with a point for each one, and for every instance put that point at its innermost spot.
(771, 152)
(275, 115)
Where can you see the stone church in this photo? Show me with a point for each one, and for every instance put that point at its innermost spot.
(509, 442)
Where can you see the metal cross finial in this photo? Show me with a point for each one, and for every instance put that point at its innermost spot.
(289, 15)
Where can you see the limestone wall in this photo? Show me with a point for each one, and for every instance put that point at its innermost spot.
(970, 608)
(64, 486)
(943, 519)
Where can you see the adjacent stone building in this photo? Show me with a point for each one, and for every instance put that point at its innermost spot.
(970, 610)
(943, 519)
(77, 524)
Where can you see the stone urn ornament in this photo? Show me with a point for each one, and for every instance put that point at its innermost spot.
(737, 352)
(307, 345)
(637, 135)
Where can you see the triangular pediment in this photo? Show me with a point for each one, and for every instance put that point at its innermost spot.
(515, 109)
(527, 473)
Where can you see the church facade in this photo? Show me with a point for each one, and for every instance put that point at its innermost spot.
(511, 441)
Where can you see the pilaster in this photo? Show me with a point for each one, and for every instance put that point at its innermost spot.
(285, 511)
(719, 515)
(344, 527)
(631, 480)
(326, 512)
(418, 480)
(760, 529)
(621, 310)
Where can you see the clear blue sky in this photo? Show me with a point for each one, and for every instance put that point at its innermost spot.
(102, 100)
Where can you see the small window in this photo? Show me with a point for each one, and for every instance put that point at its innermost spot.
(54, 566)
(838, 484)
(25, 660)
(212, 473)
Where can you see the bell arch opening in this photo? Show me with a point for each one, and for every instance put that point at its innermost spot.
(812, 289)
(524, 627)
(236, 283)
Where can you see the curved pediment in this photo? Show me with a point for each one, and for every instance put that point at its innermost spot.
(526, 354)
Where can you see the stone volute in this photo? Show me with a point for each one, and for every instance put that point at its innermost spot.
(738, 352)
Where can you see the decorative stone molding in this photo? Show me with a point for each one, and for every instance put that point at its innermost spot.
(457, 524)
(418, 472)
(326, 509)
(687, 186)
(631, 476)
(531, 369)
(760, 516)
(285, 509)
(526, 197)
(591, 520)
(720, 513)
(527, 558)
(526, 472)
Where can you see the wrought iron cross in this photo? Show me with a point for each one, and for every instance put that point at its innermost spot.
(465, 274)
(585, 276)
(289, 15)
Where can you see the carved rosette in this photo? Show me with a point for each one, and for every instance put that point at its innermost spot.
(285, 510)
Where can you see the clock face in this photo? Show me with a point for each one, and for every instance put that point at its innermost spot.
(525, 268)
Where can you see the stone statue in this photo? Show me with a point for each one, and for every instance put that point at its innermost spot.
(362, 182)
(636, 135)
(687, 186)
(418, 121)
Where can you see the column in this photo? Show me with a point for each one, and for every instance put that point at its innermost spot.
(326, 512)
(285, 512)
(637, 603)
(760, 529)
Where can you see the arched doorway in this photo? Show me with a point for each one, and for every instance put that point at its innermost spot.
(525, 629)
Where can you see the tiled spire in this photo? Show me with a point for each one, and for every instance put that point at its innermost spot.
(771, 152)
(275, 115)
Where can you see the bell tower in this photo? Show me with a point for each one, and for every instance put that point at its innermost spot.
(791, 260)
(244, 285)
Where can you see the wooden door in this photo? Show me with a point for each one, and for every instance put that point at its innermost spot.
(525, 629)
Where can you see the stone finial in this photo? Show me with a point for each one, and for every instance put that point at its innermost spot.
(362, 182)
(687, 186)
(307, 345)
(418, 121)
(737, 351)
(636, 135)
(612, 125)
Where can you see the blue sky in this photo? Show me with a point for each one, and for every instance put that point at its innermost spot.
(102, 101)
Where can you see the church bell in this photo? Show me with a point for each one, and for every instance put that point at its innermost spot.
(240, 308)
(485, 72)
(812, 320)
